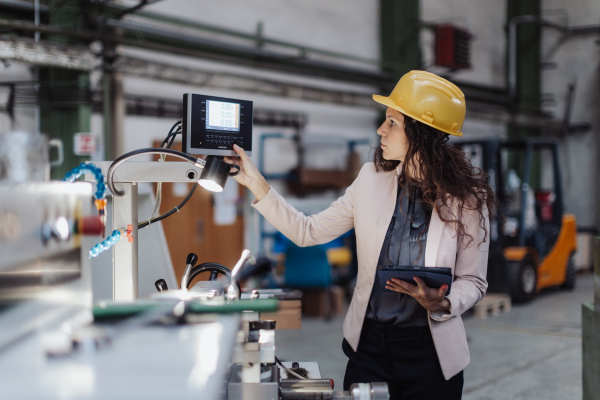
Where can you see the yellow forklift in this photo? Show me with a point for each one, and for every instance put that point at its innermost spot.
(533, 241)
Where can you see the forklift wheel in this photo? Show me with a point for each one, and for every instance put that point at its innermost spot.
(522, 277)
(570, 275)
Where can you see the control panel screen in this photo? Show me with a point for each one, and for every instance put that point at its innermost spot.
(222, 116)
(212, 125)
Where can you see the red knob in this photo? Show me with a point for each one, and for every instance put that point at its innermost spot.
(91, 226)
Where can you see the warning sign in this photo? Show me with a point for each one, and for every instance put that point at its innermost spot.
(84, 144)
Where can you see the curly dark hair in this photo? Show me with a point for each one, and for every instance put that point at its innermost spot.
(444, 175)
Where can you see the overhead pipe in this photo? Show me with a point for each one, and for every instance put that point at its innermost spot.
(73, 57)
(284, 62)
(511, 93)
(474, 93)
(23, 5)
(257, 37)
(212, 49)
(512, 34)
(222, 51)
(120, 10)
(264, 58)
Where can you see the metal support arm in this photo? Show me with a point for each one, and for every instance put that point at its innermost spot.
(125, 254)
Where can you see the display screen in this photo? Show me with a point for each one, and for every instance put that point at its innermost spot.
(222, 116)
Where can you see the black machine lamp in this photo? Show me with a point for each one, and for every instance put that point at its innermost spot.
(213, 176)
(215, 173)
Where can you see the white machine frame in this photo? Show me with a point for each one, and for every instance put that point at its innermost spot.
(125, 212)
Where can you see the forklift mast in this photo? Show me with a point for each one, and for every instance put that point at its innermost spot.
(485, 154)
(495, 156)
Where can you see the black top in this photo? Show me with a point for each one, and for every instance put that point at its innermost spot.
(404, 244)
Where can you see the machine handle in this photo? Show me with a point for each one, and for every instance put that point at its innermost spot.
(59, 148)
(235, 172)
(191, 259)
(161, 285)
(246, 256)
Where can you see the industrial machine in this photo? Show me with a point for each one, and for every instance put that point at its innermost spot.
(206, 341)
(41, 227)
(55, 344)
(533, 241)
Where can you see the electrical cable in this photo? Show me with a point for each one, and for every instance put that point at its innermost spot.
(168, 141)
(172, 137)
(158, 196)
(210, 266)
(171, 134)
(171, 211)
(154, 217)
(111, 171)
(289, 371)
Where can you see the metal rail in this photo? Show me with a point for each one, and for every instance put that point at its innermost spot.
(190, 45)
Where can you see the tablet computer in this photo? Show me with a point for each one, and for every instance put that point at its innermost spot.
(434, 277)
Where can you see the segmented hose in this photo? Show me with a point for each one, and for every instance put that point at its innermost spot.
(76, 172)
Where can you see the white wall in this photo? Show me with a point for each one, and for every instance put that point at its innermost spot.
(352, 26)
(577, 60)
(488, 47)
(486, 20)
(344, 26)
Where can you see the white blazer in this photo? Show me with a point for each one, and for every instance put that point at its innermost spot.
(367, 206)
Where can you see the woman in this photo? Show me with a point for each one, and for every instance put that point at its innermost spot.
(419, 203)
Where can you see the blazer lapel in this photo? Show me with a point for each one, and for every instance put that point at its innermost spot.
(387, 211)
(434, 236)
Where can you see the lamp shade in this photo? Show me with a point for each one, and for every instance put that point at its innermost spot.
(214, 175)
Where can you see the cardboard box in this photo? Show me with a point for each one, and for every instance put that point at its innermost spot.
(289, 315)
(325, 302)
(323, 178)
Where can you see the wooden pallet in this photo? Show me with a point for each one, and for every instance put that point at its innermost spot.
(492, 304)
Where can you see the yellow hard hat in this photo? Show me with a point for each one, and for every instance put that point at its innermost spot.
(430, 99)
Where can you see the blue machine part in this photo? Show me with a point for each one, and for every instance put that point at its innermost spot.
(76, 172)
(306, 266)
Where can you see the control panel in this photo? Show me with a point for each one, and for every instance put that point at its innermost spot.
(212, 125)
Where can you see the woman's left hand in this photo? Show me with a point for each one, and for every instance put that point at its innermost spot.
(431, 299)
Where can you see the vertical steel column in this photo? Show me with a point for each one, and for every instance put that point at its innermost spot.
(525, 190)
(590, 335)
(125, 253)
(528, 75)
(597, 276)
(110, 147)
(113, 104)
(399, 36)
(64, 109)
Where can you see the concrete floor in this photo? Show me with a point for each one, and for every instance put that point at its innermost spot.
(531, 352)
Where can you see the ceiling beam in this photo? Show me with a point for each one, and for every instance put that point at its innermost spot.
(81, 58)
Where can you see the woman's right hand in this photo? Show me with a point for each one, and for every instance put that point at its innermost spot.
(249, 175)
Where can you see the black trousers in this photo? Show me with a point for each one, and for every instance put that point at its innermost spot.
(405, 358)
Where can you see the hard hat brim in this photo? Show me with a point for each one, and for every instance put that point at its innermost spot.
(386, 101)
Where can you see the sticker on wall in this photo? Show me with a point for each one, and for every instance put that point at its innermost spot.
(84, 144)
(226, 204)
